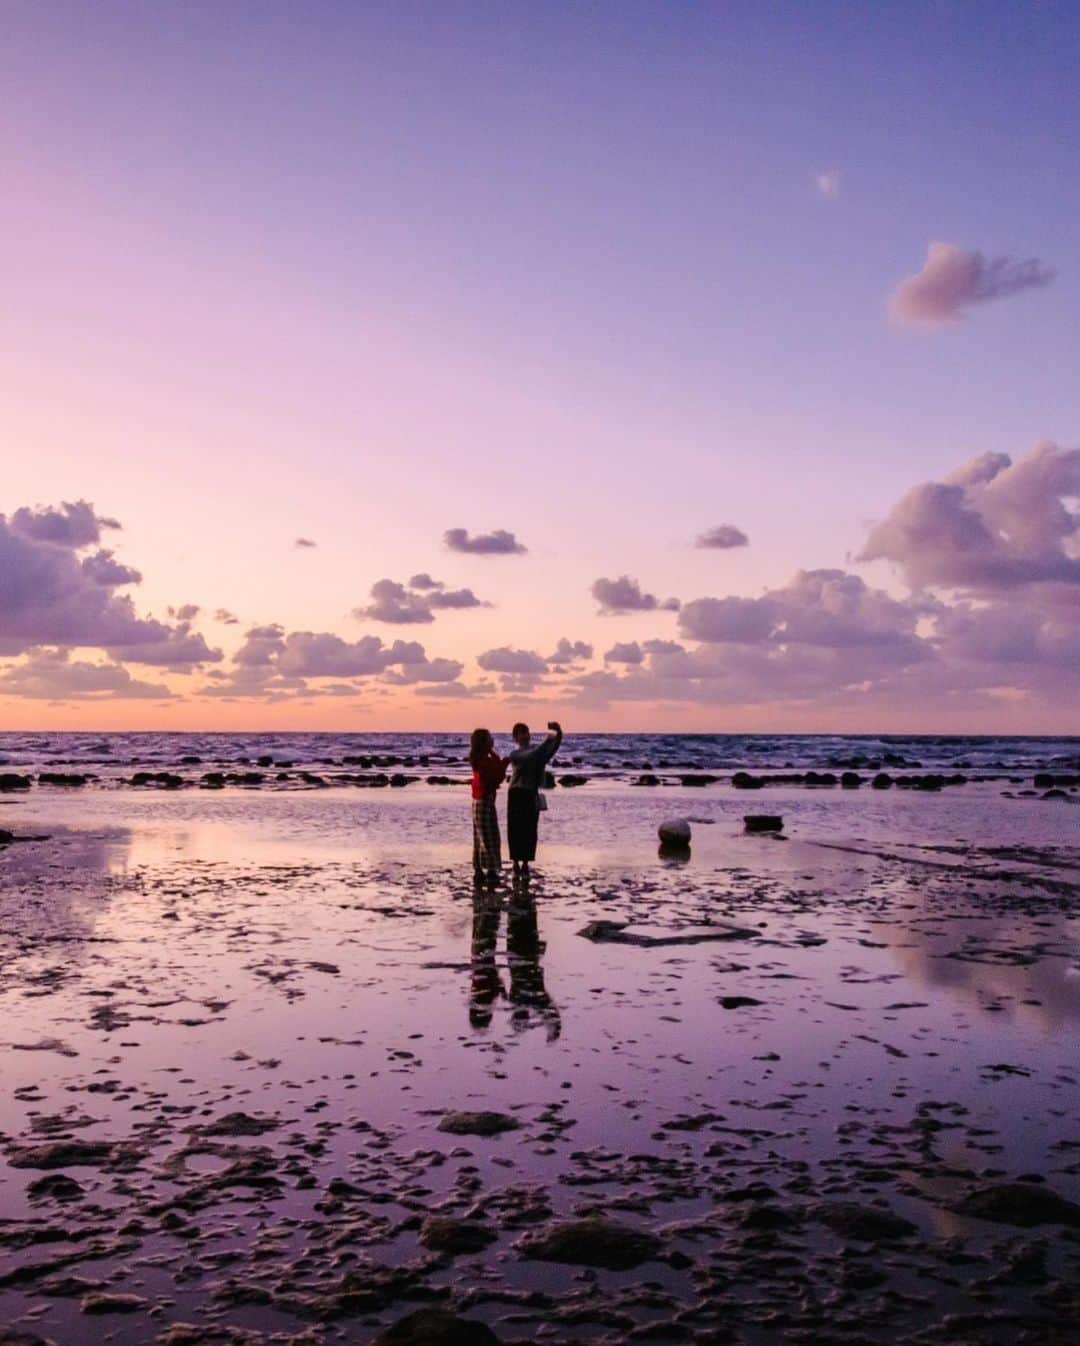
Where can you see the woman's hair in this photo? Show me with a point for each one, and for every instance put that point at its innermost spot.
(480, 744)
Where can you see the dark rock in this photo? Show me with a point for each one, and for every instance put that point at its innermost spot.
(63, 1154)
(763, 822)
(1019, 1203)
(675, 832)
(10, 780)
(478, 1123)
(742, 780)
(851, 780)
(436, 1327)
(594, 1242)
(730, 1002)
(58, 1186)
(163, 779)
(444, 1234)
(647, 779)
(867, 1224)
(106, 1302)
(60, 778)
(238, 1124)
(882, 781)
(615, 932)
(568, 782)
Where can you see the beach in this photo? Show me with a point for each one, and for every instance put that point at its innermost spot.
(275, 1071)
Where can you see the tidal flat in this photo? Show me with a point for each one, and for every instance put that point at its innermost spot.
(275, 1072)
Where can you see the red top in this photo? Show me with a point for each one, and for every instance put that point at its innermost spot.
(488, 776)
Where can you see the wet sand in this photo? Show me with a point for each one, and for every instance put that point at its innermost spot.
(274, 1072)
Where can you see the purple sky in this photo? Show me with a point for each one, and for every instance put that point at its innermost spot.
(608, 278)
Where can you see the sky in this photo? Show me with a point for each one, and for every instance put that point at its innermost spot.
(294, 292)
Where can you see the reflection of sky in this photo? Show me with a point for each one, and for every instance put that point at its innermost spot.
(259, 898)
(611, 821)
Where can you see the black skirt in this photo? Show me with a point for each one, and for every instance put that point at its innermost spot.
(522, 815)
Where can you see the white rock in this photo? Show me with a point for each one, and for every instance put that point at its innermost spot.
(675, 832)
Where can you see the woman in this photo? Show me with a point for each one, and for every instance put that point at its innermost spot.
(488, 772)
(529, 766)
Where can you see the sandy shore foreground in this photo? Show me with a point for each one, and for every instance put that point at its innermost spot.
(275, 1073)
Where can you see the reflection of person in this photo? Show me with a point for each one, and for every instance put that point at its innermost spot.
(488, 772)
(528, 764)
(524, 950)
(486, 985)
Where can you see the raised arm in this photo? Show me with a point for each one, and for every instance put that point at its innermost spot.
(554, 740)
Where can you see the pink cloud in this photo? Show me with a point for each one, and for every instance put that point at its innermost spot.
(953, 279)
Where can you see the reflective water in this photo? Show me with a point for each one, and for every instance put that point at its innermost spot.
(908, 988)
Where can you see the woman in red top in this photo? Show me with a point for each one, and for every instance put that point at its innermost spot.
(488, 772)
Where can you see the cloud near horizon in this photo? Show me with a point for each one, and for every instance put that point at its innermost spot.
(970, 598)
(620, 596)
(991, 558)
(404, 605)
(52, 675)
(497, 543)
(722, 538)
(954, 279)
(990, 527)
(51, 594)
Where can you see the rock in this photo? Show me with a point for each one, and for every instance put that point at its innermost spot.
(867, 1224)
(616, 932)
(675, 832)
(698, 779)
(647, 779)
(60, 778)
(436, 1327)
(593, 1242)
(882, 781)
(763, 822)
(850, 780)
(742, 780)
(1019, 1203)
(239, 1124)
(568, 782)
(478, 1123)
(63, 1154)
(6, 837)
(166, 780)
(10, 780)
(730, 1002)
(113, 1303)
(59, 1186)
(445, 1234)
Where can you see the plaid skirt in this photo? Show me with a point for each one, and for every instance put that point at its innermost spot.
(487, 845)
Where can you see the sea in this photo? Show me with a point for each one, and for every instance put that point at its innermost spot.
(111, 758)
